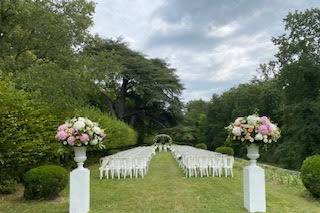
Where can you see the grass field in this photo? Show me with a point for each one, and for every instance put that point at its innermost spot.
(165, 189)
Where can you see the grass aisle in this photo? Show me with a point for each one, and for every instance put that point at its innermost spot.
(165, 189)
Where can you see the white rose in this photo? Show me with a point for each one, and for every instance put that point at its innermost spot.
(81, 119)
(236, 131)
(94, 142)
(265, 140)
(258, 137)
(79, 125)
(238, 121)
(252, 119)
(251, 140)
(273, 128)
(96, 130)
(88, 122)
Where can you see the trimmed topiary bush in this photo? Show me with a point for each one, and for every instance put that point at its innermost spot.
(310, 175)
(45, 182)
(224, 150)
(201, 146)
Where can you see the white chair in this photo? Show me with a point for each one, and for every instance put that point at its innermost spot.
(228, 165)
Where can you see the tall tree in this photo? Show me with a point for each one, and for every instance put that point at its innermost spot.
(302, 37)
(42, 30)
(142, 91)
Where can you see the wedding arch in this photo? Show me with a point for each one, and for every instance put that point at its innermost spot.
(162, 137)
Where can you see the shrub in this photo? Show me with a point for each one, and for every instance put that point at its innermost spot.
(8, 186)
(201, 146)
(119, 134)
(45, 182)
(26, 131)
(225, 150)
(310, 174)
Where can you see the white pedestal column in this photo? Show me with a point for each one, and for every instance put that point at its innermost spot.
(254, 183)
(79, 184)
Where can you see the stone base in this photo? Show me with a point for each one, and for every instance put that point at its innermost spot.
(254, 189)
(79, 191)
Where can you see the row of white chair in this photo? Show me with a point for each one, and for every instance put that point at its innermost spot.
(162, 147)
(133, 163)
(198, 162)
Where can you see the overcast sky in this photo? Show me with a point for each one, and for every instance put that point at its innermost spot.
(213, 44)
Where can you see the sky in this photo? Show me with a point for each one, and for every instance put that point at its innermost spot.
(213, 44)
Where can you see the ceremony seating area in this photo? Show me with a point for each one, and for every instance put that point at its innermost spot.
(133, 163)
(198, 162)
(162, 147)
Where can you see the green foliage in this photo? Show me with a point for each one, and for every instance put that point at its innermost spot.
(45, 182)
(301, 37)
(45, 29)
(224, 150)
(191, 127)
(113, 151)
(49, 83)
(27, 132)
(8, 186)
(310, 174)
(201, 146)
(119, 134)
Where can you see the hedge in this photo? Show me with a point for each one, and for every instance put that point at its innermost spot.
(224, 150)
(27, 132)
(201, 146)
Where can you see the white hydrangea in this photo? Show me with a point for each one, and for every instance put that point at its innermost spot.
(253, 119)
(258, 137)
(238, 121)
(94, 142)
(79, 125)
(236, 131)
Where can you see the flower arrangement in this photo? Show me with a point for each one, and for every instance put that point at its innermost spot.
(253, 129)
(80, 132)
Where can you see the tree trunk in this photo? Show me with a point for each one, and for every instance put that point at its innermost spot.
(120, 102)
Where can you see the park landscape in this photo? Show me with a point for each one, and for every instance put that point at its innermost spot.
(64, 87)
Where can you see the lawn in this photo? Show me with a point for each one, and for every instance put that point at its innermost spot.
(165, 189)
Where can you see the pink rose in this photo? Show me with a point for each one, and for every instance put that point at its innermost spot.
(62, 127)
(264, 120)
(61, 135)
(71, 140)
(264, 130)
(84, 138)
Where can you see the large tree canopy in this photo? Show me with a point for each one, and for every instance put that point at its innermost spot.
(140, 90)
(46, 30)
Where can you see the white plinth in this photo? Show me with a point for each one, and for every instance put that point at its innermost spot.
(254, 189)
(79, 190)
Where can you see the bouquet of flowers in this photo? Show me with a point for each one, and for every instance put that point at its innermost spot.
(80, 132)
(253, 129)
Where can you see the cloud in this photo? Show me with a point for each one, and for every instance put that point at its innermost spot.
(222, 31)
(213, 44)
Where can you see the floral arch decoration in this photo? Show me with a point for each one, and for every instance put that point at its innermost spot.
(162, 137)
